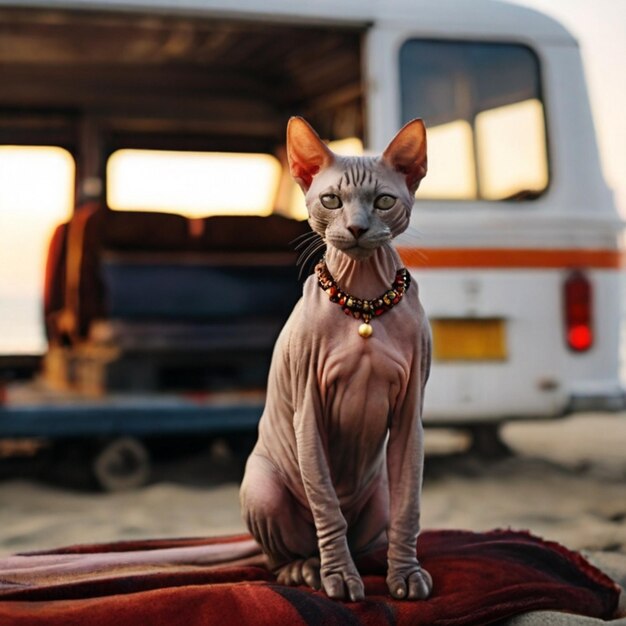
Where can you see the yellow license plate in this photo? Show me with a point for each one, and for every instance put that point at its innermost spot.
(469, 339)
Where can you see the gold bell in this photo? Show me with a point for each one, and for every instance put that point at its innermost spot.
(365, 330)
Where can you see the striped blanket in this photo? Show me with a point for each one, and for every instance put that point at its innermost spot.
(479, 578)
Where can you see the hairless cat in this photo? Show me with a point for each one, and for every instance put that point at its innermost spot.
(337, 468)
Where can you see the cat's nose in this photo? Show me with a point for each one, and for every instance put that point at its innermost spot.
(357, 231)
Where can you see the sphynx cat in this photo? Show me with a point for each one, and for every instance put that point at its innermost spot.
(337, 468)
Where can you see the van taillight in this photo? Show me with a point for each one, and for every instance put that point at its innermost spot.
(578, 300)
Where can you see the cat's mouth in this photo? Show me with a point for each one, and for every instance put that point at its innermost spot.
(359, 253)
(356, 249)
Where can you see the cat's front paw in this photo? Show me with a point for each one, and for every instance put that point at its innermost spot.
(343, 583)
(412, 583)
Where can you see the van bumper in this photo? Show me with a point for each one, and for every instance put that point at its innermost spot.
(586, 403)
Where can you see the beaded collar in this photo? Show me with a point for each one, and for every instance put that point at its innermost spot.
(362, 309)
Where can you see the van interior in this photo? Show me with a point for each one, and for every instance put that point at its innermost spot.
(141, 298)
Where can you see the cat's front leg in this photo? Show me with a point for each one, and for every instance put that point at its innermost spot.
(338, 573)
(339, 576)
(406, 578)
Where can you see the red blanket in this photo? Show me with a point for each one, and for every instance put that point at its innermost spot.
(478, 578)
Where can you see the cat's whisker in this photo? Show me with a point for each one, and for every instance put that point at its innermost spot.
(303, 238)
(310, 256)
(307, 234)
(312, 246)
(412, 235)
(421, 254)
(311, 263)
(305, 262)
(412, 239)
(418, 256)
(306, 242)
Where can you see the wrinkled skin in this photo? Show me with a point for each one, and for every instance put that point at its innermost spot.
(337, 468)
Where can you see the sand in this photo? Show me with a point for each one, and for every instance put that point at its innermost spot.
(566, 482)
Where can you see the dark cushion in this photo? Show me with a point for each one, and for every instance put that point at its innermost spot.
(273, 233)
(135, 230)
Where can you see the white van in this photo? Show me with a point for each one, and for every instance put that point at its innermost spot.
(515, 239)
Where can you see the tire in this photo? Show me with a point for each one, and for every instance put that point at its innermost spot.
(121, 464)
(487, 442)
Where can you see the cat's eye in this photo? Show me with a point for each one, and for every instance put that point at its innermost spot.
(384, 202)
(331, 201)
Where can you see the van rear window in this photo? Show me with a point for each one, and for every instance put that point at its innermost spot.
(194, 184)
(482, 106)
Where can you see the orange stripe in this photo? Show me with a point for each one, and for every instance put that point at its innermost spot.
(512, 258)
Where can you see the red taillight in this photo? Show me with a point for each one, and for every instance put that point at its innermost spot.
(578, 312)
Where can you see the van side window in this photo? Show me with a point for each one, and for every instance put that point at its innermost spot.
(482, 106)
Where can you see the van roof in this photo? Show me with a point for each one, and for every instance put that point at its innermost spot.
(430, 17)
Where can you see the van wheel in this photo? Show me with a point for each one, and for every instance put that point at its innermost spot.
(121, 464)
(487, 442)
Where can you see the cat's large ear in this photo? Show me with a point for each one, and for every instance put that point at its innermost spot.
(407, 153)
(306, 152)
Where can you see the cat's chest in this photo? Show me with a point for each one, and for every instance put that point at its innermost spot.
(363, 375)
(346, 353)
(356, 374)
